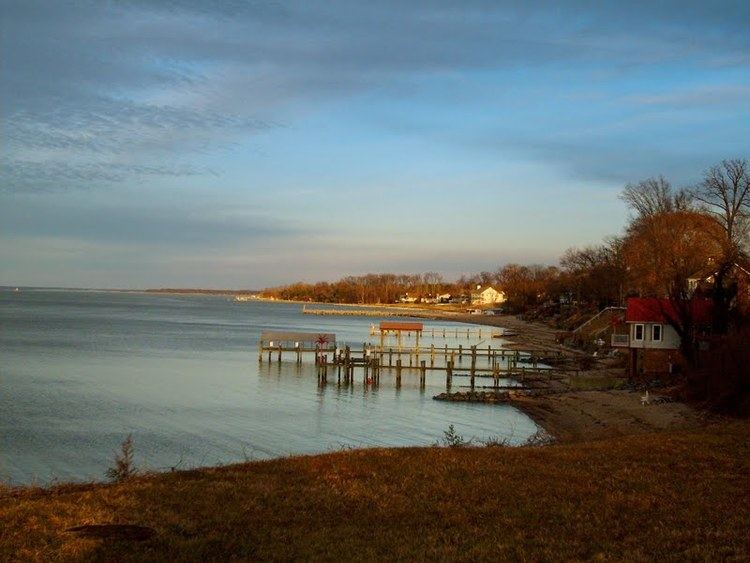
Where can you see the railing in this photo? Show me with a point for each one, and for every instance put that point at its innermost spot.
(599, 314)
(620, 340)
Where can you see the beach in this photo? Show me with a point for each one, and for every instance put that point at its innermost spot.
(570, 414)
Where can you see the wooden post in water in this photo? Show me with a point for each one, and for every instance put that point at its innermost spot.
(473, 365)
(449, 375)
(496, 374)
(460, 352)
(432, 355)
(422, 373)
(279, 352)
(269, 355)
(260, 351)
(398, 373)
(347, 364)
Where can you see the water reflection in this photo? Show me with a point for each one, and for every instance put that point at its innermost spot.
(79, 371)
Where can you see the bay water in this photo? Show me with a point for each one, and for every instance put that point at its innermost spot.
(80, 370)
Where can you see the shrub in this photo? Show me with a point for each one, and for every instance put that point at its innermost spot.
(124, 467)
(496, 442)
(453, 439)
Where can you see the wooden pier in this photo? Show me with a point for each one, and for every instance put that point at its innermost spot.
(447, 332)
(370, 361)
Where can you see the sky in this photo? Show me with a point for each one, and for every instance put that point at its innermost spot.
(243, 144)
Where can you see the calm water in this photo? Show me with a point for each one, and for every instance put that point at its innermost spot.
(81, 370)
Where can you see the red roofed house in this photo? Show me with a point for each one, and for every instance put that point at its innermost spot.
(653, 342)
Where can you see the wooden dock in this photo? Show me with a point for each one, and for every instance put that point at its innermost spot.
(371, 361)
(450, 332)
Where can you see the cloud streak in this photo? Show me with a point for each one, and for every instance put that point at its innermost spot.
(255, 119)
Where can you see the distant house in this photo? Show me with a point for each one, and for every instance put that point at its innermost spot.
(406, 298)
(444, 298)
(487, 296)
(739, 274)
(650, 336)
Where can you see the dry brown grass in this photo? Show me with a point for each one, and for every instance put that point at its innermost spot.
(664, 495)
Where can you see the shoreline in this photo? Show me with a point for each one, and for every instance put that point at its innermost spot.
(568, 414)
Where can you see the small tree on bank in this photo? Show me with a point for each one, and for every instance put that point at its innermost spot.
(124, 467)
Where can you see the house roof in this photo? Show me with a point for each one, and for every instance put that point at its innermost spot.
(654, 310)
(711, 270)
(487, 288)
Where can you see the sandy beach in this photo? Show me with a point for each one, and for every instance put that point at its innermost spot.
(573, 415)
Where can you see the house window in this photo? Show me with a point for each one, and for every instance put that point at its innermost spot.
(638, 332)
(656, 333)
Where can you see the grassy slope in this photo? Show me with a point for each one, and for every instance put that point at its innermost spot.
(663, 495)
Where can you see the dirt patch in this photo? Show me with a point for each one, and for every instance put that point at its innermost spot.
(596, 415)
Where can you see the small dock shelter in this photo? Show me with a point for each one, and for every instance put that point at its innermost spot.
(398, 328)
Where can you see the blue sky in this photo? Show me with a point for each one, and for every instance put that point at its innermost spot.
(244, 144)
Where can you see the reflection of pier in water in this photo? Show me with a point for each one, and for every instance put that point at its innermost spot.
(342, 363)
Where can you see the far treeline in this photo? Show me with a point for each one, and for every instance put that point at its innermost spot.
(673, 236)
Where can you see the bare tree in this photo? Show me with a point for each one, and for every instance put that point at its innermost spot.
(434, 281)
(596, 273)
(654, 196)
(725, 191)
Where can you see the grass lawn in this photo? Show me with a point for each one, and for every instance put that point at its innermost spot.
(678, 495)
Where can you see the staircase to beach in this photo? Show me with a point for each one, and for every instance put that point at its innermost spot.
(601, 324)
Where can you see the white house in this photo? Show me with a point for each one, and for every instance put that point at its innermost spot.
(487, 296)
